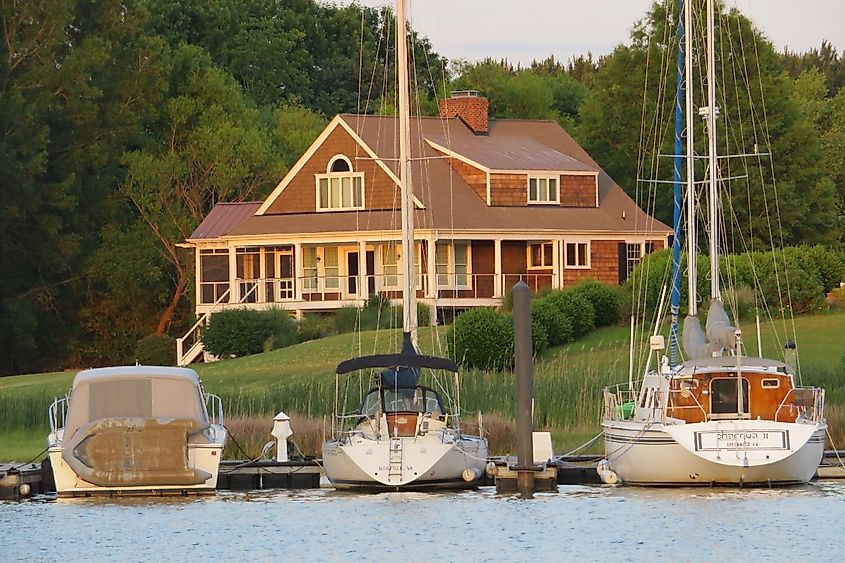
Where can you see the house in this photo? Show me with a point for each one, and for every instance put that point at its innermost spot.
(496, 201)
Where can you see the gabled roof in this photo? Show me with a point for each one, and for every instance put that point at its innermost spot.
(449, 202)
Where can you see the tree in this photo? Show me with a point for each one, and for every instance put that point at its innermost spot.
(72, 82)
(785, 197)
(335, 58)
(209, 147)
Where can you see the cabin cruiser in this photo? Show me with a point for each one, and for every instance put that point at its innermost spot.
(136, 430)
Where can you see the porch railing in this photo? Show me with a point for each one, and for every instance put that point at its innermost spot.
(354, 287)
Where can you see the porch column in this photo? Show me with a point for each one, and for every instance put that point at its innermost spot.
(262, 287)
(497, 268)
(431, 277)
(561, 253)
(363, 282)
(298, 271)
(557, 278)
(431, 268)
(198, 280)
(234, 286)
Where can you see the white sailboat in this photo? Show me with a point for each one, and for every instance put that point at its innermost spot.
(402, 437)
(719, 418)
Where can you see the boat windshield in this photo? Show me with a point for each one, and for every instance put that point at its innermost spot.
(407, 399)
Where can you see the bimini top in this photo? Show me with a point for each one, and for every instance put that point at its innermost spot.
(134, 392)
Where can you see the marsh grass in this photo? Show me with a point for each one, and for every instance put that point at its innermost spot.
(252, 433)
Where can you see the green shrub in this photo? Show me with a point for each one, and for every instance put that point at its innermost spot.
(156, 350)
(482, 338)
(556, 325)
(604, 298)
(539, 336)
(316, 325)
(576, 308)
(805, 292)
(241, 332)
(346, 319)
(828, 264)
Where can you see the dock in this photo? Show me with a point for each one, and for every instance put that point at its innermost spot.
(22, 481)
(269, 474)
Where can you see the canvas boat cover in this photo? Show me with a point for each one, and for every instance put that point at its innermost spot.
(130, 426)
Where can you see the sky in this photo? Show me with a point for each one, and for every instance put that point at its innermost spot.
(526, 30)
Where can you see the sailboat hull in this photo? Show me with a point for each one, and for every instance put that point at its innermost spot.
(424, 463)
(689, 455)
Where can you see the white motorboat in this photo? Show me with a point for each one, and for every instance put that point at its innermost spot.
(721, 417)
(402, 437)
(136, 430)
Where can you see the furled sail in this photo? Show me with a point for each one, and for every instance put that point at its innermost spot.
(695, 344)
(720, 332)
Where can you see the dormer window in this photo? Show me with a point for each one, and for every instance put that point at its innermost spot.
(542, 189)
(340, 188)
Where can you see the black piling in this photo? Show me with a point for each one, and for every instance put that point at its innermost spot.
(526, 472)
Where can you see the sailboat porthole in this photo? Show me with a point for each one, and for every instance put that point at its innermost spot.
(770, 383)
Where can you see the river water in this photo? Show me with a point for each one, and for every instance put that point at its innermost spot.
(593, 522)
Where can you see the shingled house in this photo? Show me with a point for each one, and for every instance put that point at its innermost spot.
(496, 201)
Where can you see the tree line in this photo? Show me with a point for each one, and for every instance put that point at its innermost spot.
(122, 123)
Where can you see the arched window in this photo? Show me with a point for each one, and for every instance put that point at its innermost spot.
(340, 188)
(339, 164)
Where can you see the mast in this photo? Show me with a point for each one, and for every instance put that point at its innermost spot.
(678, 197)
(692, 262)
(409, 296)
(711, 115)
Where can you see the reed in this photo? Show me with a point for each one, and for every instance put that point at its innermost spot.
(250, 434)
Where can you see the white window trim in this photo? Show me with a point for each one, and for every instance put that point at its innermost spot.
(382, 277)
(566, 265)
(543, 246)
(334, 159)
(450, 266)
(555, 177)
(318, 177)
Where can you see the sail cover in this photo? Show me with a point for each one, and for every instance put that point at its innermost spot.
(695, 344)
(720, 332)
(721, 335)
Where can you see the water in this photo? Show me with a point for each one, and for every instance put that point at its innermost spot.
(598, 523)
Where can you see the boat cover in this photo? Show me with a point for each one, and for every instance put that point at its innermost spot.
(130, 426)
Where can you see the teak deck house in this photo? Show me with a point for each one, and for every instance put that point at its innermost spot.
(496, 201)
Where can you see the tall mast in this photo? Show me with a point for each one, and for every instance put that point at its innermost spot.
(691, 230)
(409, 296)
(678, 197)
(712, 114)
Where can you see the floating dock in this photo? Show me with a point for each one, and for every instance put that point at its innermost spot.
(21, 481)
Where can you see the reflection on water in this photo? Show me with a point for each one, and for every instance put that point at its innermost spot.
(579, 521)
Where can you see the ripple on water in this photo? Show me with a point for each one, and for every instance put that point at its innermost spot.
(579, 521)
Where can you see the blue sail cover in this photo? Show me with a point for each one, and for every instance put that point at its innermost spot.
(403, 376)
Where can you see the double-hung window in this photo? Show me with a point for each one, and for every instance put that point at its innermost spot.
(340, 188)
(452, 263)
(540, 255)
(542, 189)
(577, 255)
(390, 260)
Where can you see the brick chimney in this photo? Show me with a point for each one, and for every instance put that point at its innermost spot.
(470, 107)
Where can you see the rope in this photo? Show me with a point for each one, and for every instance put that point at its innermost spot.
(32, 461)
(835, 449)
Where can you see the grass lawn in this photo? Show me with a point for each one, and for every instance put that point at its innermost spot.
(299, 380)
